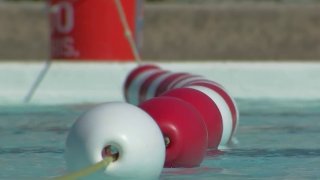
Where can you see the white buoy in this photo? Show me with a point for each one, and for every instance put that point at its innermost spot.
(130, 133)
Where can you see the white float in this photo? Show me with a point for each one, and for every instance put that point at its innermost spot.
(128, 129)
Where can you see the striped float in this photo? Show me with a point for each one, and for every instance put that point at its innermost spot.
(148, 81)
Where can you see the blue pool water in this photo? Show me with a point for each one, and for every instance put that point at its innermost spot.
(277, 140)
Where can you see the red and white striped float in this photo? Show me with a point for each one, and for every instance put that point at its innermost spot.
(148, 81)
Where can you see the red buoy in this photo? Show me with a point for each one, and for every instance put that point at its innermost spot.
(183, 129)
(207, 108)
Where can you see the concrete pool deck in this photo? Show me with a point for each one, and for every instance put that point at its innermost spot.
(94, 82)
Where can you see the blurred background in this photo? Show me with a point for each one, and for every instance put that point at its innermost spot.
(188, 30)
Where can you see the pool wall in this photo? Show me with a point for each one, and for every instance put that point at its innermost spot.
(71, 82)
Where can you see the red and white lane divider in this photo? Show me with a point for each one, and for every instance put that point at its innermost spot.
(207, 108)
(157, 82)
(178, 117)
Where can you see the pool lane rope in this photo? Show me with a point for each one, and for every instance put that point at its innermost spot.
(48, 62)
(87, 170)
(219, 109)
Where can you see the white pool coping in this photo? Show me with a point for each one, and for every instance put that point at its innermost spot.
(94, 82)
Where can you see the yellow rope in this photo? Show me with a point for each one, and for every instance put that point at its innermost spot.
(127, 30)
(86, 171)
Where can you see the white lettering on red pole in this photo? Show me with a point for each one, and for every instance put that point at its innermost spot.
(64, 17)
(63, 23)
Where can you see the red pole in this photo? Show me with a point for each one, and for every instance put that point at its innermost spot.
(92, 30)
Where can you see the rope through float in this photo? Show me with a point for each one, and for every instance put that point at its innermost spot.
(87, 170)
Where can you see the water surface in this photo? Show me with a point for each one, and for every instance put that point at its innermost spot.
(277, 140)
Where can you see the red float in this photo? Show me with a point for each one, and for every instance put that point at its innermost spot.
(207, 108)
(182, 127)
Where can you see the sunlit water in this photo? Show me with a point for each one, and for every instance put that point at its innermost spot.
(277, 140)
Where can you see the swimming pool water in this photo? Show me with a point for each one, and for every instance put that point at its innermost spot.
(277, 140)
